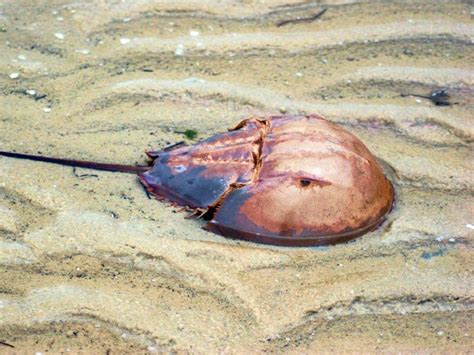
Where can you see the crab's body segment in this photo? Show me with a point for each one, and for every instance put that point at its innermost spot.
(290, 180)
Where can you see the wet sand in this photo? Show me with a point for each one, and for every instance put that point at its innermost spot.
(89, 264)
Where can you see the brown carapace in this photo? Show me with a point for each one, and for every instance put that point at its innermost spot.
(281, 180)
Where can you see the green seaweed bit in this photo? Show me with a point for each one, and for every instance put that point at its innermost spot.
(190, 133)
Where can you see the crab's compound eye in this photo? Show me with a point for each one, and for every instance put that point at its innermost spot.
(305, 182)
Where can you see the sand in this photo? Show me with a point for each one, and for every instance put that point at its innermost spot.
(89, 264)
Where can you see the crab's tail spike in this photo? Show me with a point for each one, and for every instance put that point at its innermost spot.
(79, 163)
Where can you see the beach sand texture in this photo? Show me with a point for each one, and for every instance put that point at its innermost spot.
(89, 264)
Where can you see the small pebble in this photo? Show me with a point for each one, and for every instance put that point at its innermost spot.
(59, 18)
(126, 19)
(418, 100)
(469, 225)
(193, 33)
(31, 92)
(282, 109)
(299, 74)
(82, 51)
(439, 239)
(452, 240)
(440, 333)
(46, 109)
(124, 40)
(179, 50)
(14, 75)
(22, 57)
(59, 35)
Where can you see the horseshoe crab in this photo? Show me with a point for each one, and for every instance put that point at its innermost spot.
(281, 180)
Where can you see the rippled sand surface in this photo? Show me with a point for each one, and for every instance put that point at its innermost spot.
(89, 263)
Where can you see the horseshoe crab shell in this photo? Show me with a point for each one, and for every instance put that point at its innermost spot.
(281, 180)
